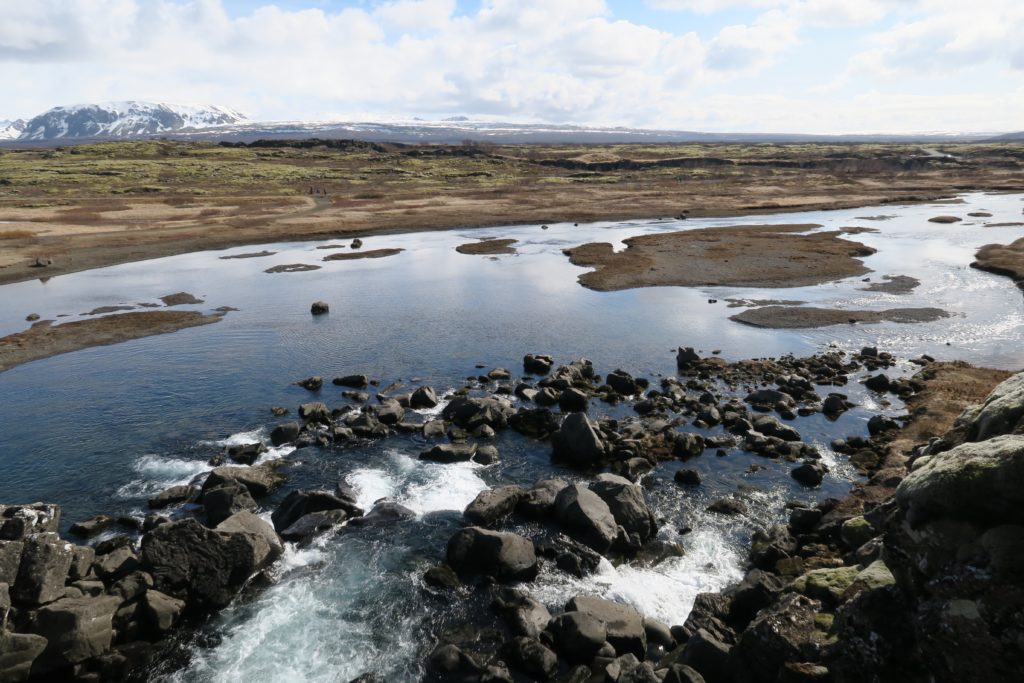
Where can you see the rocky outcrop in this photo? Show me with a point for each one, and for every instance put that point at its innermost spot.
(474, 551)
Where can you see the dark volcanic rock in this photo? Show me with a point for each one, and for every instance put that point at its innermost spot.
(577, 442)
(206, 567)
(505, 557)
(450, 452)
(493, 505)
(301, 503)
(585, 517)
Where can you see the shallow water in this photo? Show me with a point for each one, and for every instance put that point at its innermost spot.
(102, 429)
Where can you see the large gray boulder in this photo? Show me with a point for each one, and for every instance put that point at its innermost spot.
(577, 636)
(626, 502)
(450, 452)
(531, 657)
(161, 611)
(577, 442)
(539, 500)
(223, 501)
(206, 567)
(623, 624)
(423, 397)
(299, 503)
(45, 561)
(259, 479)
(1002, 412)
(18, 652)
(975, 482)
(493, 505)
(506, 557)
(585, 517)
(76, 629)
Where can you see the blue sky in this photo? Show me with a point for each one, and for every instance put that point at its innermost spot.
(824, 66)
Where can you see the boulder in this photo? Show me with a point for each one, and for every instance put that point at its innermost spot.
(623, 625)
(18, 653)
(537, 423)
(259, 479)
(1002, 412)
(493, 505)
(316, 411)
(687, 445)
(171, 496)
(112, 565)
(974, 482)
(224, 501)
(539, 500)
(285, 433)
(810, 473)
(354, 381)
(312, 524)
(784, 632)
(572, 400)
(537, 364)
(450, 452)
(626, 502)
(687, 477)
(524, 615)
(206, 567)
(827, 584)
(486, 455)
(319, 308)
(384, 512)
(506, 557)
(770, 426)
(389, 412)
(531, 657)
(19, 521)
(76, 629)
(246, 453)
(300, 503)
(423, 397)
(584, 516)
(577, 636)
(708, 655)
(82, 557)
(686, 358)
(622, 383)
(161, 612)
(45, 561)
(311, 383)
(92, 526)
(577, 442)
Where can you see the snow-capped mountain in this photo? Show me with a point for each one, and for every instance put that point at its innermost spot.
(121, 119)
(11, 130)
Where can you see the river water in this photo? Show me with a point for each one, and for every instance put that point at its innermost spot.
(102, 429)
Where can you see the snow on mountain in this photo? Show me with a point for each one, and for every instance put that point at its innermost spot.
(121, 119)
(11, 130)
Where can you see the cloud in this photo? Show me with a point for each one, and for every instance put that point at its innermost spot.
(574, 61)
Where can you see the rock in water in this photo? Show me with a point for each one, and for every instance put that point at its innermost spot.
(577, 442)
(585, 517)
(626, 502)
(206, 567)
(319, 308)
(623, 624)
(503, 556)
(45, 561)
(424, 397)
(493, 505)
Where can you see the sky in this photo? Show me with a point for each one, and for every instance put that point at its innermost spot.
(786, 66)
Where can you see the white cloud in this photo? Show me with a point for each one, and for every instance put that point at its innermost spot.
(570, 61)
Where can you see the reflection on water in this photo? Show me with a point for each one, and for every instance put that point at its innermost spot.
(102, 429)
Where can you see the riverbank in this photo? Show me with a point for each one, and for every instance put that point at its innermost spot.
(91, 206)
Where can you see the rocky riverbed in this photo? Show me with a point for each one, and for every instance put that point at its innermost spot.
(883, 582)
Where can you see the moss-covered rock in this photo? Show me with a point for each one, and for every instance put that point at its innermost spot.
(976, 482)
(856, 531)
(827, 585)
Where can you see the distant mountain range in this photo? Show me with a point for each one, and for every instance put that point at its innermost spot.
(114, 120)
(120, 119)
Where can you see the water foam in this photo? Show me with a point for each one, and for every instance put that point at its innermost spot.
(421, 486)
